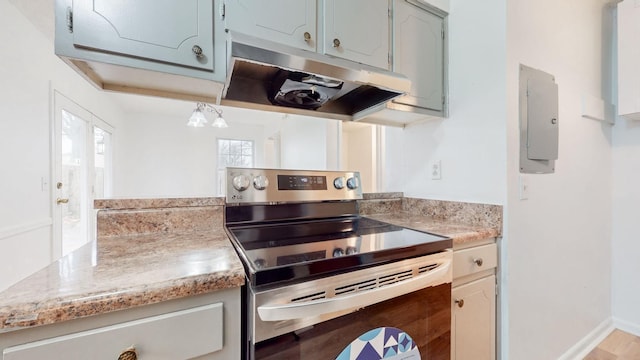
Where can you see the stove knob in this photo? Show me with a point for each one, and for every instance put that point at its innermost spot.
(260, 263)
(337, 252)
(351, 250)
(338, 183)
(352, 183)
(260, 182)
(241, 182)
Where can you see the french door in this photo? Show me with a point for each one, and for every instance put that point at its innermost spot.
(81, 172)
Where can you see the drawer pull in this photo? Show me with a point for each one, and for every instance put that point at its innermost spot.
(129, 354)
(460, 302)
(478, 261)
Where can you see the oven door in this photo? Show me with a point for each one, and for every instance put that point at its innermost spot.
(412, 326)
(401, 308)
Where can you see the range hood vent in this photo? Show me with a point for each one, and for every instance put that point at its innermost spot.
(269, 76)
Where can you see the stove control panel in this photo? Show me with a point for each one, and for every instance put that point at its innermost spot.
(250, 185)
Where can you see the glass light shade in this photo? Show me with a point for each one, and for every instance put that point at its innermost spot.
(197, 119)
(219, 122)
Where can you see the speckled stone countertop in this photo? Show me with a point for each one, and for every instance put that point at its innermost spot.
(464, 223)
(122, 270)
(153, 250)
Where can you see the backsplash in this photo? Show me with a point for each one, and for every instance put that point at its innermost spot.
(118, 217)
(122, 217)
(473, 214)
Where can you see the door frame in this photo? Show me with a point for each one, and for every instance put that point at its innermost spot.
(60, 101)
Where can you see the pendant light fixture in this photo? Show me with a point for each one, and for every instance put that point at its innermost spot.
(198, 119)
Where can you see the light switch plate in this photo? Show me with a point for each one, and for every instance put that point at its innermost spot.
(524, 187)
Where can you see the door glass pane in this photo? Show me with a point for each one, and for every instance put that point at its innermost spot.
(74, 182)
(102, 163)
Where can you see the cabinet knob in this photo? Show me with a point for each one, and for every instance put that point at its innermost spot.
(460, 302)
(336, 43)
(478, 261)
(129, 354)
(62, 201)
(307, 36)
(197, 50)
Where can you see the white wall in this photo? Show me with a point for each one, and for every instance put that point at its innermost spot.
(162, 157)
(303, 142)
(555, 250)
(358, 142)
(558, 242)
(470, 143)
(626, 246)
(29, 70)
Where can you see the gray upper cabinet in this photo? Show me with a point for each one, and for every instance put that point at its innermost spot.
(294, 26)
(173, 49)
(357, 30)
(419, 53)
(176, 32)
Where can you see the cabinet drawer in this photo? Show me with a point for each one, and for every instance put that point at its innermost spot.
(473, 260)
(178, 335)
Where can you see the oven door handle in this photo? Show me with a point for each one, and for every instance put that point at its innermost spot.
(299, 310)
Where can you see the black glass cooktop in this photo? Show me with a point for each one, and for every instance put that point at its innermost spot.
(294, 251)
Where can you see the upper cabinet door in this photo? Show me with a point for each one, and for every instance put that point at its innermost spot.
(419, 55)
(176, 32)
(290, 22)
(357, 30)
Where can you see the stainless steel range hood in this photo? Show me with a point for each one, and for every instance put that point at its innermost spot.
(347, 90)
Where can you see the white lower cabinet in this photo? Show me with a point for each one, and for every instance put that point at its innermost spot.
(473, 320)
(183, 329)
(473, 303)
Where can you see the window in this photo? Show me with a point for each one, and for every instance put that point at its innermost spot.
(238, 153)
(235, 153)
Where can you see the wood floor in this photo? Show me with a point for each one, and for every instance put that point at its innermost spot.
(619, 345)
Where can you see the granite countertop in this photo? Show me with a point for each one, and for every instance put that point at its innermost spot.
(122, 272)
(466, 224)
(460, 233)
(153, 250)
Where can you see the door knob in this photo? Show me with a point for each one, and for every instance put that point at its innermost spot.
(61, 201)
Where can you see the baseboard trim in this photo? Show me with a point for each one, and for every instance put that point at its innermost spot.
(11, 231)
(589, 342)
(627, 326)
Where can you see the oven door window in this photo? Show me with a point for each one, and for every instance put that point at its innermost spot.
(417, 325)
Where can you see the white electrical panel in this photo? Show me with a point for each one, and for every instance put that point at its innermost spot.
(539, 121)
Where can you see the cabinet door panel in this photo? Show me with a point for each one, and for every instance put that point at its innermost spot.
(163, 31)
(419, 54)
(183, 334)
(282, 21)
(473, 324)
(362, 29)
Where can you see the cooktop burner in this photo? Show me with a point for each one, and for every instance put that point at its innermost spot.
(301, 250)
